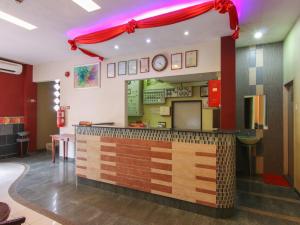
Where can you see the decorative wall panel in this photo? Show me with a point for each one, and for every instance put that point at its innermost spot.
(191, 166)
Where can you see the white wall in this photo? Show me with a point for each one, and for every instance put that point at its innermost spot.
(108, 103)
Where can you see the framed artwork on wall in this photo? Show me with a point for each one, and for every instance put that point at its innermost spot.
(176, 61)
(111, 70)
(191, 58)
(122, 68)
(87, 76)
(204, 91)
(132, 67)
(144, 65)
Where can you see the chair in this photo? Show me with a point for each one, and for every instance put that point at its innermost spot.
(17, 221)
(4, 214)
(23, 137)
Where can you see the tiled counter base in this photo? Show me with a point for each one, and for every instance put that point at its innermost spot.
(188, 170)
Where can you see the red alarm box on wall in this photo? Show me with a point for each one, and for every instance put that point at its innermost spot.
(214, 93)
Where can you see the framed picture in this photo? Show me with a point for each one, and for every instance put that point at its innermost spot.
(87, 76)
(191, 58)
(144, 65)
(132, 67)
(111, 70)
(204, 91)
(122, 68)
(176, 61)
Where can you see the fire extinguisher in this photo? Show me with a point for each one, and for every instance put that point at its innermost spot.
(60, 120)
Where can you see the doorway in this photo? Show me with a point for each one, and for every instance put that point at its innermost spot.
(289, 130)
(46, 115)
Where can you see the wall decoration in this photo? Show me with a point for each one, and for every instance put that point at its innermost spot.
(132, 67)
(87, 76)
(191, 58)
(144, 65)
(159, 62)
(111, 70)
(122, 68)
(67, 74)
(204, 91)
(176, 61)
(164, 19)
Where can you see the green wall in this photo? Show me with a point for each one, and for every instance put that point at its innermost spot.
(291, 61)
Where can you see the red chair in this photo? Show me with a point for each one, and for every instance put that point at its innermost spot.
(4, 214)
(17, 221)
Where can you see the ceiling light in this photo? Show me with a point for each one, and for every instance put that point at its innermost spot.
(16, 21)
(116, 47)
(88, 5)
(148, 40)
(186, 33)
(258, 35)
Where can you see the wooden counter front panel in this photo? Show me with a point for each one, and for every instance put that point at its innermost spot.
(178, 170)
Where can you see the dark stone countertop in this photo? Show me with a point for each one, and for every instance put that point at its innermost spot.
(218, 131)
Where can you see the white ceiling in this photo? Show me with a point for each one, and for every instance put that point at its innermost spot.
(55, 18)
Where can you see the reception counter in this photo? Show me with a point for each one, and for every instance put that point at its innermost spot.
(191, 170)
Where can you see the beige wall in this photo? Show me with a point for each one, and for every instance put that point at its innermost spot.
(109, 103)
(292, 72)
(46, 116)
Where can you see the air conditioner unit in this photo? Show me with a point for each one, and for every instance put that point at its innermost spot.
(10, 67)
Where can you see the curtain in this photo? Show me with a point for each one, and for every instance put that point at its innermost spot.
(222, 6)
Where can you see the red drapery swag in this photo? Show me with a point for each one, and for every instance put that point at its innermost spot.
(222, 6)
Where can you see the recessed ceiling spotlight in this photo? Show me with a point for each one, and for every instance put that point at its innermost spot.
(88, 5)
(148, 40)
(116, 47)
(258, 35)
(16, 21)
(186, 33)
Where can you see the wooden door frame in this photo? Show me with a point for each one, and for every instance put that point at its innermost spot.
(286, 127)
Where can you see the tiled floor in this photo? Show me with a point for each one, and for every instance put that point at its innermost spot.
(50, 189)
(9, 172)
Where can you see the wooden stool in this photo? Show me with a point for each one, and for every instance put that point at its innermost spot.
(23, 138)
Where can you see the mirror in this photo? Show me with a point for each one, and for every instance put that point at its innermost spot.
(255, 112)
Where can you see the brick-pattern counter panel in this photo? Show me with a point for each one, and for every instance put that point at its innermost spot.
(190, 166)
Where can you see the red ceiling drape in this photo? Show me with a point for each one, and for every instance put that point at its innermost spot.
(222, 6)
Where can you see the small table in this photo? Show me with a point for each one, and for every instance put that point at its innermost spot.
(4, 211)
(66, 138)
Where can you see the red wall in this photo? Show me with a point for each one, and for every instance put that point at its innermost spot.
(228, 84)
(18, 96)
(11, 95)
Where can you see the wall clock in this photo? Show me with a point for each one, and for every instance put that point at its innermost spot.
(159, 62)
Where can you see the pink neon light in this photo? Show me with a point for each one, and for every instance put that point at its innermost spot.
(167, 10)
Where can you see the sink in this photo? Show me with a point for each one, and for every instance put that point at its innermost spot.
(249, 140)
